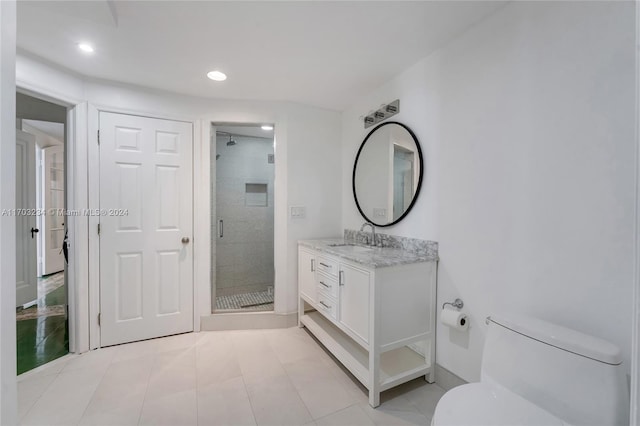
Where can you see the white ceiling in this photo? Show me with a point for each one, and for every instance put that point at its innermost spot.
(320, 53)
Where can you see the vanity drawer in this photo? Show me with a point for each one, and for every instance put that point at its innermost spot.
(328, 266)
(327, 305)
(327, 284)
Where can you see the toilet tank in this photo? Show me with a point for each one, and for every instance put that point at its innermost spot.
(576, 377)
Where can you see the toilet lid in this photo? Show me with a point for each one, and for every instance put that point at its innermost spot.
(479, 404)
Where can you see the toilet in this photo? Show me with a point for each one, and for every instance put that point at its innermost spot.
(537, 373)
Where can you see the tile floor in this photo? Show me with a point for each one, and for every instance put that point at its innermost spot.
(263, 377)
(42, 330)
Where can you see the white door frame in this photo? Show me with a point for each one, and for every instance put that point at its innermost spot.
(635, 321)
(93, 261)
(76, 173)
(8, 389)
(26, 251)
(39, 205)
(635, 324)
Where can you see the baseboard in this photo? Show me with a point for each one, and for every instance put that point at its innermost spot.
(247, 321)
(446, 379)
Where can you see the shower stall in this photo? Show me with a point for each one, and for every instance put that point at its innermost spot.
(243, 224)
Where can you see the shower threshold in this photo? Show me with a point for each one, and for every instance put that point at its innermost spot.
(256, 304)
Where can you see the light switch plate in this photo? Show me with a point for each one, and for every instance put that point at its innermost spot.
(297, 212)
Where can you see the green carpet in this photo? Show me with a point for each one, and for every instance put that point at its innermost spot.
(56, 297)
(42, 339)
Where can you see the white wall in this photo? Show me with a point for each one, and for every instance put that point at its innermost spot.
(527, 126)
(307, 142)
(313, 172)
(8, 398)
(417, 90)
(537, 218)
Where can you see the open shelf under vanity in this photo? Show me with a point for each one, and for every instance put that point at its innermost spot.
(396, 366)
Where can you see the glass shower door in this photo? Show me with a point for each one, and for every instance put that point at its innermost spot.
(243, 227)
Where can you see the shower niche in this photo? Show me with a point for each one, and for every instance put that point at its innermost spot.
(242, 218)
(256, 195)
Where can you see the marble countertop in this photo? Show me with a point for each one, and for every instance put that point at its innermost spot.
(373, 257)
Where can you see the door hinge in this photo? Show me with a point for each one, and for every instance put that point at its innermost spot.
(98, 137)
(98, 229)
(99, 318)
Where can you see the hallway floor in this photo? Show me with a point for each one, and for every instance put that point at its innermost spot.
(42, 329)
(263, 377)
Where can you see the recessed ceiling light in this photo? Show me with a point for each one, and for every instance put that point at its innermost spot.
(85, 47)
(267, 127)
(217, 76)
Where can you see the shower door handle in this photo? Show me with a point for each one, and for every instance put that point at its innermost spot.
(221, 228)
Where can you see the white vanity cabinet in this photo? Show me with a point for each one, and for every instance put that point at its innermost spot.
(378, 321)
(354, 301)
(306, 274)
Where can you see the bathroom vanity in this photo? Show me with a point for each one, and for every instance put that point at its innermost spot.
(373, 308)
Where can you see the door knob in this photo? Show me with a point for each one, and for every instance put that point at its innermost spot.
(185, 240)
(33, 231)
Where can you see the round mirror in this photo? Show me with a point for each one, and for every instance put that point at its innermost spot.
(387, 174)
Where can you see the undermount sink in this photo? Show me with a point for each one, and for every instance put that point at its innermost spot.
(351, 247)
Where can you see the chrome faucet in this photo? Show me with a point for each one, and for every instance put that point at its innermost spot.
(373, 232)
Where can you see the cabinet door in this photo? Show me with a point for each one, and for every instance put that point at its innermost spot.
(354, 300)
(307, 274)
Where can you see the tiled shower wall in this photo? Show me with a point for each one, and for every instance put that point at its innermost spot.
(244, 255)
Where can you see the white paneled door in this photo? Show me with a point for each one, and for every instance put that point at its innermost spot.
(146, 254)
(26, 260)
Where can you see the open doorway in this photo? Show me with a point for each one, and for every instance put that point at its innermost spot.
(42, 326)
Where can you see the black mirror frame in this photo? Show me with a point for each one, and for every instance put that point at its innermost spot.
(355, 165)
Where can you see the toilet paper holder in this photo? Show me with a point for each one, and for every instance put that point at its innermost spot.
(458, 303)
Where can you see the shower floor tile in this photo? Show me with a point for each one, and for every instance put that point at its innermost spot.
(256, 301)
